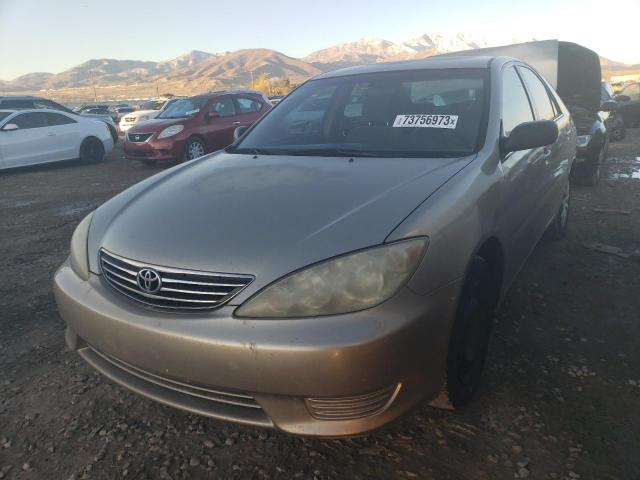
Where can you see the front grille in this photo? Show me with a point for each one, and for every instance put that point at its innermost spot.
(350, 408)
(173, 288)
(204, 400)
(138, 137)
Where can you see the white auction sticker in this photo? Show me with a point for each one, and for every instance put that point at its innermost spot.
(426, 121)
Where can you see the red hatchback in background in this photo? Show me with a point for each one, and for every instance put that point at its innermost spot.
(195, 126)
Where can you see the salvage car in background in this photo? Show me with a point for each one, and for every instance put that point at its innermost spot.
(35, 136)
(574, 72)
(614, 120)
(324, 280)
(27, 101)
(146, 111)
(629, 99)
(192, 127)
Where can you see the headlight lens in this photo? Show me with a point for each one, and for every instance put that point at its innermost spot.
(583, 140)
(171, 131)
(79, 257)
(144, 117)
(344, 284)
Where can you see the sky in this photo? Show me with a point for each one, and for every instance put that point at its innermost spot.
(54, 35)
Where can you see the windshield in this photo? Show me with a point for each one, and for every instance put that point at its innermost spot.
(152, 105)
(183, 108)
(419, 113)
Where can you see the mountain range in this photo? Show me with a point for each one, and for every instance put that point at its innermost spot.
(198, 70)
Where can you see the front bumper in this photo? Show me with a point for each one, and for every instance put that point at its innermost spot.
(153, 149)
(289, 370)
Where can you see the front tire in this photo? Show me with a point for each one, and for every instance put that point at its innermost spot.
(469, 339)
(91, 150)
(194, 148)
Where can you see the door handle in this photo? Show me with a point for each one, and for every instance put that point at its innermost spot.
(236, 123)
(51, 134)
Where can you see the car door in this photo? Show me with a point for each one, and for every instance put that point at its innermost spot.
(523, 176)
(219, 132)
(554, 160)
(64, 133)
(249, 108)
(29, 143)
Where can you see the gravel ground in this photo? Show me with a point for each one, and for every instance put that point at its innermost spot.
(560, 400)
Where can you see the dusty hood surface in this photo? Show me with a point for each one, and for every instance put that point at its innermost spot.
(264, 216)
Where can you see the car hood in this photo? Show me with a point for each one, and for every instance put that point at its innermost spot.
(139, 113)
(97, 116)
(156, 125)
(265, 215)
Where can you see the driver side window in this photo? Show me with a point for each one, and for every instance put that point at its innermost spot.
(29, 120)
(516, 108)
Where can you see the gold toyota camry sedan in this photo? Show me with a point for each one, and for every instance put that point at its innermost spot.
(340, 262)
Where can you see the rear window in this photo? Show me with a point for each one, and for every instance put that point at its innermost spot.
(423, 113)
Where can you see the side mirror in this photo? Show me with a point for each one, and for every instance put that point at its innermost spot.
(622, 98)
(239, 131)
(211, 115)
(609, 106)
(10, 127)
(530, 135)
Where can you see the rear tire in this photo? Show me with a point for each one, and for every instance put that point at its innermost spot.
(469, 339)
(91, 150)
(195, 148)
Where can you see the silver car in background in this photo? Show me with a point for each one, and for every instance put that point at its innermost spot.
(338, 264)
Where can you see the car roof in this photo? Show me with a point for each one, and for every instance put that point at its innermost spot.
(237, 91)
(430, 63)
(35, 110)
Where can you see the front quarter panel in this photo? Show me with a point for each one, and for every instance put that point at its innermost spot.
(457, 218)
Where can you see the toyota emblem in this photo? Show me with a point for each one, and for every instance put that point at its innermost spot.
(149, 280)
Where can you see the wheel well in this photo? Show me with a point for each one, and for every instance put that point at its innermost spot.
(199, 137)
(491, 252)
(90, 137)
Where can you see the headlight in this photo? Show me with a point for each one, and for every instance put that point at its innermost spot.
(171, 131)
(583, 140)
(143, 117)
(79, 257)
(344, 284)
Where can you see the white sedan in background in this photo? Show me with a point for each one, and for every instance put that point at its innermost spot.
(34, 136)
(148, 111)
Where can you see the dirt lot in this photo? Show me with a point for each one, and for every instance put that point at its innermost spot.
(561, 396)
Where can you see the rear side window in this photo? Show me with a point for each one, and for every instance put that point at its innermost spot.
(248, 105)
(54, 119)
(515, 103)
(224, 107)
(30, 120)
(539, 95)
